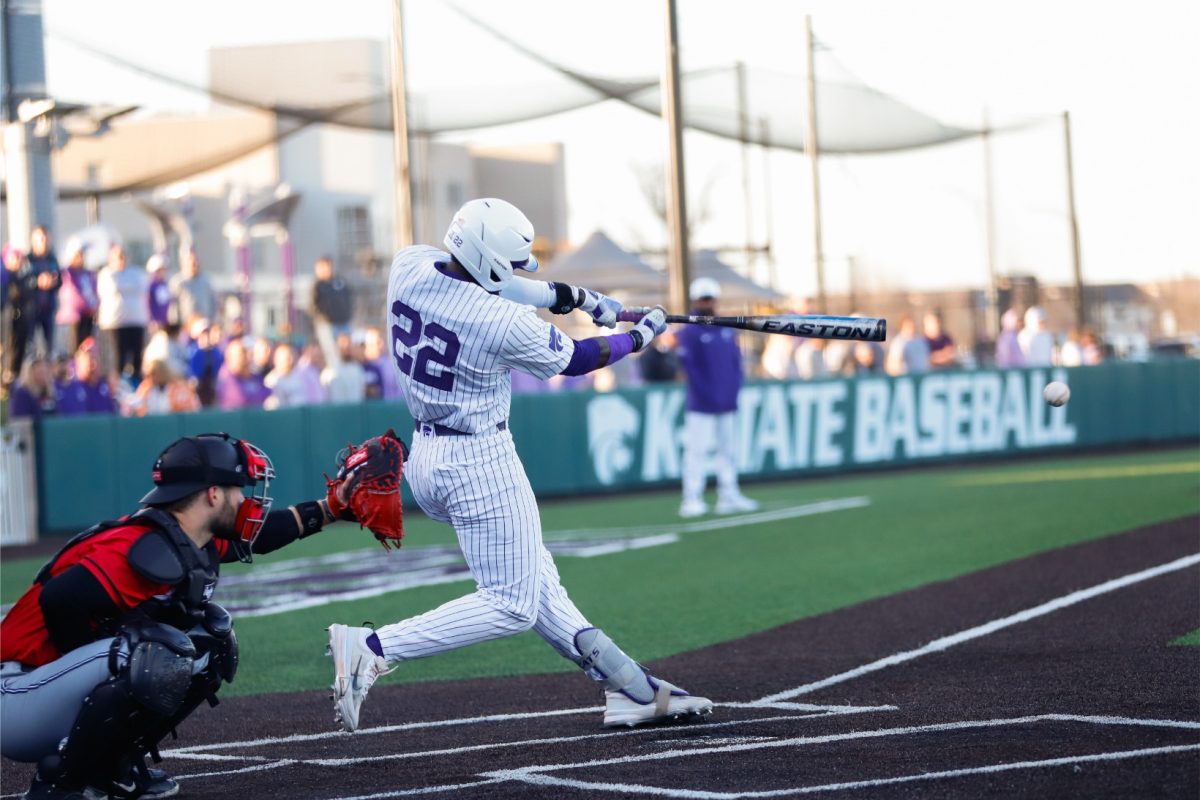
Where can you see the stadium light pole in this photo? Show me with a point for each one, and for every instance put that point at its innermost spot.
(677, 250)
(402, 236)
(813, 150)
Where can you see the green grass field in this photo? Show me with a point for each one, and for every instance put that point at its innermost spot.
(711, 586)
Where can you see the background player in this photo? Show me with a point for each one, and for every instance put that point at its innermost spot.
(712, 363)
(455, 337)
(137, 590)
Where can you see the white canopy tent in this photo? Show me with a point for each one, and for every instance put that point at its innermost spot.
(735, 289)
(601, 264)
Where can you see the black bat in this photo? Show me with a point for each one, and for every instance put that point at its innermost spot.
(811, 326)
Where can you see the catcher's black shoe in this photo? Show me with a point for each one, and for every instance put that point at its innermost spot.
(40, 789)
(153, 784)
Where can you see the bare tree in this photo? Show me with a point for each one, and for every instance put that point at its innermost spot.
(652, 181)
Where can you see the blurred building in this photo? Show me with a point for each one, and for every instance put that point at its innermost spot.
(202, 167)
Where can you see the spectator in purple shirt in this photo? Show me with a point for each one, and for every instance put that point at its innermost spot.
(158, 297)
(310, 366)
(237, 385)
(205, 359)
(78, 300)
(942, 352)
(89, 392)
(1008, 346)
(33, 395)
(712, 363)
(375, 351)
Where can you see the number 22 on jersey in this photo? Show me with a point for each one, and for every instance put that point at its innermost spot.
(429, 362)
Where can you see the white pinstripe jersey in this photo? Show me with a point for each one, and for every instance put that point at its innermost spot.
(453, 343)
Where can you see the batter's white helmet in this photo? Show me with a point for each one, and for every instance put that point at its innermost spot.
(704, 287)
(491, 238)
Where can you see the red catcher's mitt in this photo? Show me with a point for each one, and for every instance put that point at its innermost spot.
(367, 487)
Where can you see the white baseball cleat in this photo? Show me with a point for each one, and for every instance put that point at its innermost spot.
(670, 702)
(736, 504)
(356, 668)
(693, 508)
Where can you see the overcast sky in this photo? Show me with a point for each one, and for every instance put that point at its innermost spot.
(1127, 73)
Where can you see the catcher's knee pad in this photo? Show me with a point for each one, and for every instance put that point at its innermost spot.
(159, 670)
(602, 659)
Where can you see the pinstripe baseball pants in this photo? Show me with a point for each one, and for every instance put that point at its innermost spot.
(478, 484)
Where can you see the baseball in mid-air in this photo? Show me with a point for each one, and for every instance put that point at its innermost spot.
(1056, 393)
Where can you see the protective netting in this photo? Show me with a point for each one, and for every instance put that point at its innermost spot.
(770, 109)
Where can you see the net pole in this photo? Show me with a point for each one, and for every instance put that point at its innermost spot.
(992, 310)
(677, 259)
(1076, 259)
(744, 136)
(812, 148)
(402, 235)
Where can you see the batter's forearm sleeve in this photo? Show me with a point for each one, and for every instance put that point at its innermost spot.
(538, 294)
(593, 354)
(70, 603)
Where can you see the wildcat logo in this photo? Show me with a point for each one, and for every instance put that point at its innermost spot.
(612, 427)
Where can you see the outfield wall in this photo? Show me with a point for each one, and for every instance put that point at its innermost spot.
(584, 442)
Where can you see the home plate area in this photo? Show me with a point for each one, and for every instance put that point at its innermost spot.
(742, 752)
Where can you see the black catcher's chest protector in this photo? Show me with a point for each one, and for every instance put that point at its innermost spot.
(167, 555)
(163, 554)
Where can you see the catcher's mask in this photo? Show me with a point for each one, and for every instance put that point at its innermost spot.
(194, 463)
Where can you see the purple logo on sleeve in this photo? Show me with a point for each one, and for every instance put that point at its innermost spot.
(555, 340)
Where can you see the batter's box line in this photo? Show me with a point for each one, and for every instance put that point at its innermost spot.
(816, 709)
(538, 774)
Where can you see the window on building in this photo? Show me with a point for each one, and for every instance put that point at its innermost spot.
(355, 242)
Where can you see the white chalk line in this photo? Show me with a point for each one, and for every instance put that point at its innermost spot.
(976, 632)
(422, 790)
(537, 774)
(691, 794)
(800, 741)
(474, 748)
(718, 523)
(524, 715)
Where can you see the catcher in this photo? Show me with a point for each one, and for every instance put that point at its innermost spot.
(119, 640)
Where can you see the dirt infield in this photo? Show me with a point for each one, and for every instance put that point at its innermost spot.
(1049, 677)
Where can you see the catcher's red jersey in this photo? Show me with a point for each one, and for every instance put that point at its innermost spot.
(23, 634)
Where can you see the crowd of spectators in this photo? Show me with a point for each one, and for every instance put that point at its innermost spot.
(129, 339)
(910, 351)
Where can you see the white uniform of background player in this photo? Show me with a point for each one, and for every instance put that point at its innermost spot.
(457, 328)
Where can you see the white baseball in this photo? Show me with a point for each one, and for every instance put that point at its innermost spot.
(1056, 393)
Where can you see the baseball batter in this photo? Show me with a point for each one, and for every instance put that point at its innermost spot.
(459, 322)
